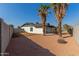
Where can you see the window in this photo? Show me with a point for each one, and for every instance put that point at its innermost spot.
(31, 29)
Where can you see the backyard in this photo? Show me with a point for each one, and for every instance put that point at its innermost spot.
(46, 31)
(33, 45)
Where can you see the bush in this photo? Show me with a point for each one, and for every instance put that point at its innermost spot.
(70, 31)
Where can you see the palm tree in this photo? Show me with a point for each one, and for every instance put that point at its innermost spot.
(43, 12)
(60, 11)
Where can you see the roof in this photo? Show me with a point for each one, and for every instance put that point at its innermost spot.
(28, 24)
(37, 25)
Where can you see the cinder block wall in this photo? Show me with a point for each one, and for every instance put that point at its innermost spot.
(76, 33)
(0, 37)
(6, 33)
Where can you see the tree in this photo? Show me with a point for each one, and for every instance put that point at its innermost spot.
(11, 25)
(60, 11)
(19, 27)
(43, 12)
(68, 28)
(48, 24)
(37, 23)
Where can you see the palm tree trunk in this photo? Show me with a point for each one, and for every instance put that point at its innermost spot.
(44, 25)
(44, 28)
(60, 40)
(60, 28)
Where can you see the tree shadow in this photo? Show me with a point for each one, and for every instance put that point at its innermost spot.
(23, 46)
(62, 41)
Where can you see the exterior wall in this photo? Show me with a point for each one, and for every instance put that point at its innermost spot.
(0, 37)
(6, 33)
(76, 33)
(35, 30)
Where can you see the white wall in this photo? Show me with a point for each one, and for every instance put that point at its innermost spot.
(6, 33)
(76, 32)
(35, 30)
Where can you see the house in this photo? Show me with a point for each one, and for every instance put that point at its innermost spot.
(37, 28)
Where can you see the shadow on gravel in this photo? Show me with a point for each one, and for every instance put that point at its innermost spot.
(23, 46)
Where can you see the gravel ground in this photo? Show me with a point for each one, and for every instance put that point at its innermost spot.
(39, 45)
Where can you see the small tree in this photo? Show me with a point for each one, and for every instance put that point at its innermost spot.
(11, 25)
(69, 29)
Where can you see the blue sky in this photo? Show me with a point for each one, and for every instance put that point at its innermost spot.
(18, 14)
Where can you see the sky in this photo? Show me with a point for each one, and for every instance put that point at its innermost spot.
(20, 13)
